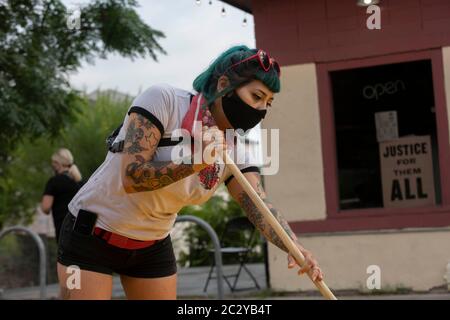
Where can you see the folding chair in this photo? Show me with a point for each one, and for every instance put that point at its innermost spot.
(237, 230)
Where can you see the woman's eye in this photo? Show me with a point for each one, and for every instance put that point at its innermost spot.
(256, 97)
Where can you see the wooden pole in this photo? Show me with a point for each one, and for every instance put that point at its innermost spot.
(287, 241)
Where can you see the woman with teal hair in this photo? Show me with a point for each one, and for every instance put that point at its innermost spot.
(120, 221)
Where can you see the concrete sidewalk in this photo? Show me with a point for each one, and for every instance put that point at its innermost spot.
(411, 296)
(192, 280)
(190, 284)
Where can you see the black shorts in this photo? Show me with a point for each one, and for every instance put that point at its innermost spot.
(95, 254)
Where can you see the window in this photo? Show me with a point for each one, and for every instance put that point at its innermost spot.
(427, 116)
(379, 109)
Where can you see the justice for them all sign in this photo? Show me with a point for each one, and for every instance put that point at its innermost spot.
(407, 172)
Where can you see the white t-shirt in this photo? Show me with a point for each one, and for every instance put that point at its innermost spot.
(148, 215)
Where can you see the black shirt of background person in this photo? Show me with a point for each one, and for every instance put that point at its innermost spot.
(63, 188)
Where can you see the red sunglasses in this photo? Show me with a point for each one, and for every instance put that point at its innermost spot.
(264, 60)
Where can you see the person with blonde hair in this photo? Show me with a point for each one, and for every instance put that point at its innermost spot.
(61, 188)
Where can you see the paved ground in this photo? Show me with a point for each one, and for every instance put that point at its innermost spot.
(413, 296)
(192, 280)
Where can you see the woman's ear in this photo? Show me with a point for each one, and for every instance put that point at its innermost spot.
(222, 83)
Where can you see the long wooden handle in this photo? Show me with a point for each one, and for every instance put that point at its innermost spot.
(287, 241)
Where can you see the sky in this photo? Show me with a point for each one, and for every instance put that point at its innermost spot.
(195, 36)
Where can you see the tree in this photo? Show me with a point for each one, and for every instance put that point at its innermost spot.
(29, 166)
(39, 46)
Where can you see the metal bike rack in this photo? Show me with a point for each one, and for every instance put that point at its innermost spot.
(217, 250)
(42, 256)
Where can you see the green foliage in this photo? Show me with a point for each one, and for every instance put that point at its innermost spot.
(217, 211)
(29, 165)
(86, 137)
(38, 50)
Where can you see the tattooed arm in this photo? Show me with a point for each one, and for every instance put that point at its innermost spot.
(139, 171)
(253, 213)
(257, 218)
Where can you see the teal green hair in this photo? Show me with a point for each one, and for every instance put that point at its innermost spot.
(241, 74)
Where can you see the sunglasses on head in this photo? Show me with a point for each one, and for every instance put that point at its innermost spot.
(265, 61)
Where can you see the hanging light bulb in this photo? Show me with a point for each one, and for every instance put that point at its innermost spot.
(224, 13)
(244, 22)
(210, 2)
(366, 3)
(198, 2)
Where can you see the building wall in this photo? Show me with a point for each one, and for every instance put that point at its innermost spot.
(297, 189)
(415, 258)
(302, 31)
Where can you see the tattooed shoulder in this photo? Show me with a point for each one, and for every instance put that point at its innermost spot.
(137, 137)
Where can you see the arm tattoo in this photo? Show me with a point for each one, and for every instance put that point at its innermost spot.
(257, 218)
(146, 174)
(149, 175)
(252, 211)
(133, 138)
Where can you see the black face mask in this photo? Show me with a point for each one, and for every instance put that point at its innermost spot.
(239, 114)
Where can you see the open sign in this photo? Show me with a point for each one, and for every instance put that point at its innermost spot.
(379, 89)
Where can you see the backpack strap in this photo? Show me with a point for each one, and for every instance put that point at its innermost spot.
(115, 146)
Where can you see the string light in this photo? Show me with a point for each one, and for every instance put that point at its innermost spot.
(244, 20)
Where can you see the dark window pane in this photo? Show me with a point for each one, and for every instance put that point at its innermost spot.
(358, 94)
